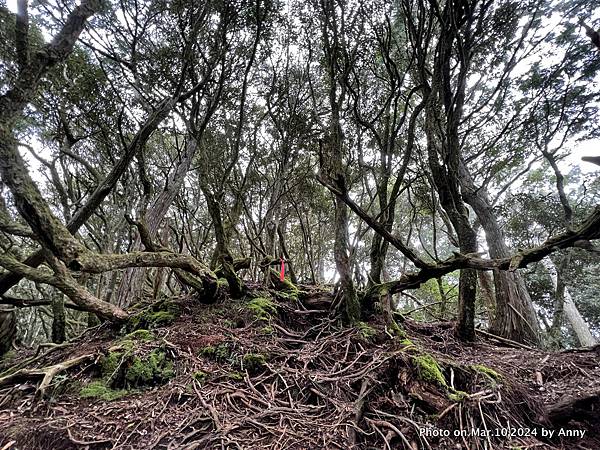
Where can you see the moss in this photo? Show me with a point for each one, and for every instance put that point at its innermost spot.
(491, 373)
(140, 335)
(222, 284)
(209, 350)
(289, 286)
(253, 362)
(158, 315)
(429, 369)
(365, 330)
(111, 364)
(221, 352)
(458, 396)
(235, 375)
(120, 367)
(283, 295)
(262, 308)
(97, 389)
(397, 330)
(227, 323)
(200, 376)
(7, 359)
(267, 330)
(152, 369)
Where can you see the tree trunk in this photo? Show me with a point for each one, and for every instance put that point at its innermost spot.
(447, 185)
(332, 156)
(515, 317)
(222, 255)
(131, 285)
(8, 329)
(59, 321)
(581, 329)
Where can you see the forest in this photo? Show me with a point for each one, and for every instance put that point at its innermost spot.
(299, 224)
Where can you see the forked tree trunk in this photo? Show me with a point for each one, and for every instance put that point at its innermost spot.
(132, 283)
(514, 317)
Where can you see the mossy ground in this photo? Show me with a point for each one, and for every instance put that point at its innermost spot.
(261, 308)
(315, 363)
(98, 389)
(160, 314)
(365, 330)
(253, 362)
(129, 365)
(200, 376)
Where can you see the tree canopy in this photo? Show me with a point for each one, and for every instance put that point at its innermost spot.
(420, 156)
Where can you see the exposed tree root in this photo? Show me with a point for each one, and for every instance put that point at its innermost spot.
(580, 409)
(312, 385)
(46, 373)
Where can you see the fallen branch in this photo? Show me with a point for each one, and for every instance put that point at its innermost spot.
(46, 373)
(504, 340)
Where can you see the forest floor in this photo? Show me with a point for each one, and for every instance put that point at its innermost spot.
(274, 372)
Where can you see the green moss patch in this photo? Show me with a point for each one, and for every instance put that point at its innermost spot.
(220, 353)
(269, 330)
(458, 396)
(158, 315)
(490, 373)
(365, 330)
(397, 330)
(200, 376)
(140, 335)
(97, 389)
(253, 362)
(122, 368)
(235, 375)
(262, 308)
(429, 369)
(155, 368)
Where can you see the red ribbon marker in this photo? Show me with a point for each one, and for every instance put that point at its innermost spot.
(282, 273)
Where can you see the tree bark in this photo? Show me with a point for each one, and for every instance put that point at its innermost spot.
(332, 156)
(59, 320)
(442, 120)
(28, 200)
(131, 285)
(580, 327)
(8, 329)
(514, 317)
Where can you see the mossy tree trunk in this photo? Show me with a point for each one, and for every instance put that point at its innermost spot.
(445, 95)
(332, 154)
(8, 329)
(223, 257)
